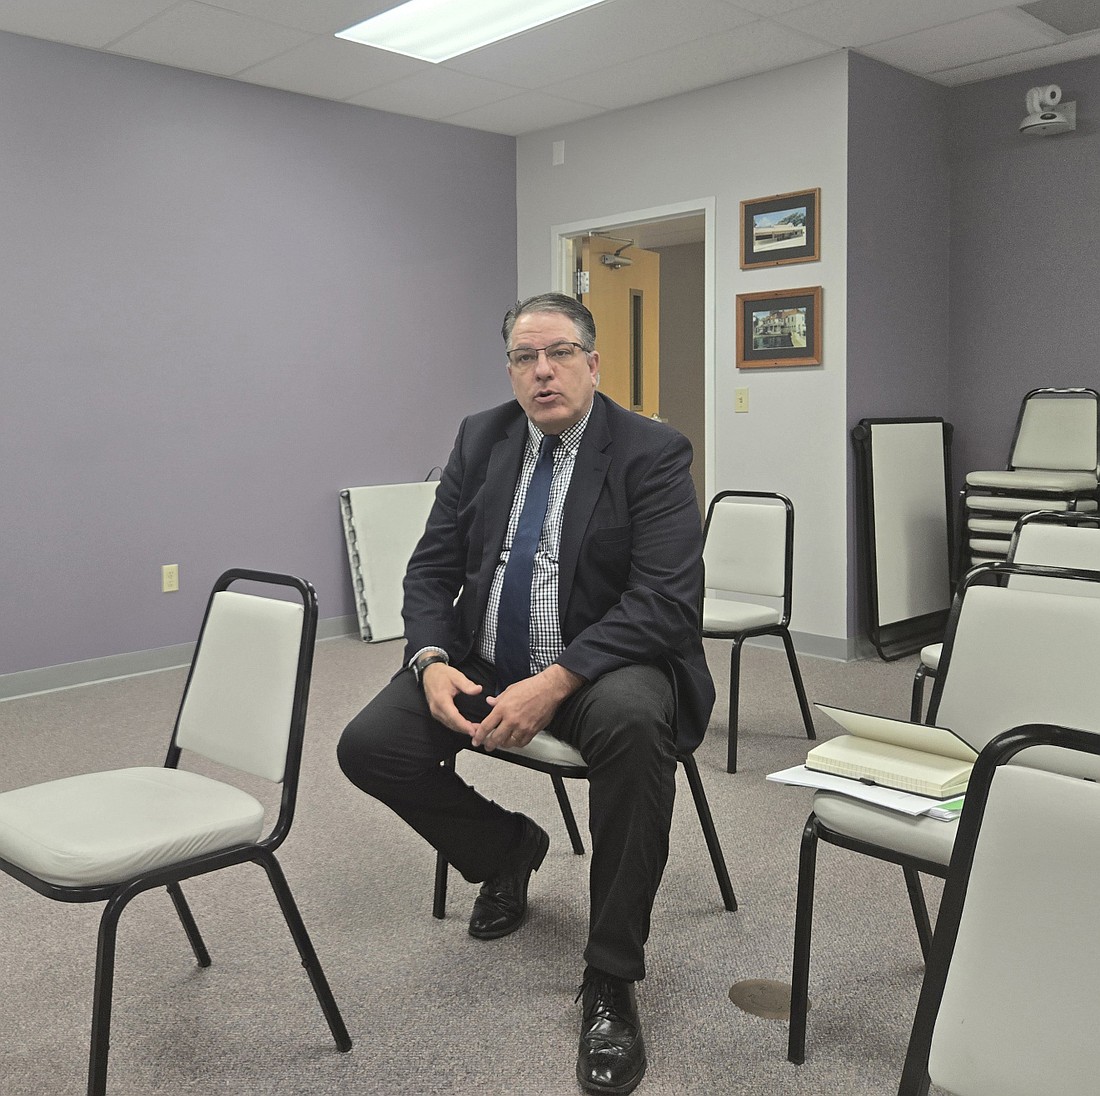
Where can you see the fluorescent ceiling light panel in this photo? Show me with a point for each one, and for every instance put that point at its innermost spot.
(437, 30)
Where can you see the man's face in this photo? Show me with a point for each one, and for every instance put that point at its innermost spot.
(554, 393)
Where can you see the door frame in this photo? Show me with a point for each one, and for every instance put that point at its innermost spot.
(561, 237)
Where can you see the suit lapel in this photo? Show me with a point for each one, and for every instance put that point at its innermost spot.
(501, 473)
(589, 473)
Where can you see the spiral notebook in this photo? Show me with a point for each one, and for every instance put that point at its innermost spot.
(893, 753)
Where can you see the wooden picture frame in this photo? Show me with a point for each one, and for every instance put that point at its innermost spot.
(782, 327)
(785, 228)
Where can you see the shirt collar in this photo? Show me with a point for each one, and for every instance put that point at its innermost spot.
(569, 439)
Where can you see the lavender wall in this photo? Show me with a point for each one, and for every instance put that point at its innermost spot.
(898, 258)
(221, 304)
(1025, 260)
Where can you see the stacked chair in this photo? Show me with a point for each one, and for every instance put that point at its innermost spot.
(1011, 656)
(1053, 466)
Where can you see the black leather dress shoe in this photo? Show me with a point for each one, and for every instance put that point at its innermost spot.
(500, 907)
(612, 1052)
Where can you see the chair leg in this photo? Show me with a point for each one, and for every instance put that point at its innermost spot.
(920, 910)
(202, 956)
(567, 813)
(803, 926)
(305, 949)
(916, 707)
(799, 688)
(102, 993)
(439, 898)
(735, 693)
(706, 820)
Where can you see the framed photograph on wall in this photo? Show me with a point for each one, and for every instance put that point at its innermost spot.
(779, 328)
(785, 228)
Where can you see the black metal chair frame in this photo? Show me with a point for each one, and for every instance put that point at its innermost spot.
(914, 1079)
(781, 628)
(262, 852)
(558, 773)
(815, 831)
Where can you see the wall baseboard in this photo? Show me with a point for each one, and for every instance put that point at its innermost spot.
(93, 670)
(837, 648)
(71, 674)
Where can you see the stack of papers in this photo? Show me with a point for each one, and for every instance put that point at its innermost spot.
(906, 802)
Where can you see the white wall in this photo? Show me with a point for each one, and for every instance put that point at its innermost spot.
(769, 134)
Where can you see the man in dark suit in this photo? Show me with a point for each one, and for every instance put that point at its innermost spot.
(568, 530)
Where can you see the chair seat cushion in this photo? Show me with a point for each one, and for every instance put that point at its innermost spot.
(736, 616)
(930, 655)
(927, 838)
(545, 747)
(1037, 479)
(994, 549)
(1020, 504)
(106, 827)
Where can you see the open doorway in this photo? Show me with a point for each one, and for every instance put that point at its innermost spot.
(682, 238)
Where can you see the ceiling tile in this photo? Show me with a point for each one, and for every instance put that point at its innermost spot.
(333, 68)
(713, 60)
(1087, 45)
(206, 39)
(524, 113)
(92, 25)
(1066, 16)
(435, 94)
(601, 36)
(770, 7)
(861, 22)
(316, 16)
(991, 35)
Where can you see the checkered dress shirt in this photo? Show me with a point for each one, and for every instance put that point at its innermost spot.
(546, 641)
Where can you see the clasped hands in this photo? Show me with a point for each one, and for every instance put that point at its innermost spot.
(517, 713)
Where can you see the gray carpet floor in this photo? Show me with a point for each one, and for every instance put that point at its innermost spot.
(431, 1010)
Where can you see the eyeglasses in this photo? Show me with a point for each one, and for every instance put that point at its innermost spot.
(559, 353)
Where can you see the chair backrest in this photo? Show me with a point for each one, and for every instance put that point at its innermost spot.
(1060, 539)
(1007, 1006)
(245, 701)
(1016, 656)
(1058, 428)
(748, 543)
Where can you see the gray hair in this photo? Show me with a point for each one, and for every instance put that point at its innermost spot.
(554, 302)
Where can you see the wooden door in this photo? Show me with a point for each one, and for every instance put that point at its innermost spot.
(625, 301)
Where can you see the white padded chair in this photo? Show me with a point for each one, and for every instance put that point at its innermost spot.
(382, 525)
(1053, 465)
(110, 836)
(748, 552)
(1010, 656)
(550, 755)
(1045, 538)
(1007, 1007)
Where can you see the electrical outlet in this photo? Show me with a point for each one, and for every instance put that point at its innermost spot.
(740, 399)
(170, 578)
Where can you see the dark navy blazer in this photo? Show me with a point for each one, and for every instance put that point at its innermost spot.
(630, 567)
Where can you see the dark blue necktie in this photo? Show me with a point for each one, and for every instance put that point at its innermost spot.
(513, 645)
